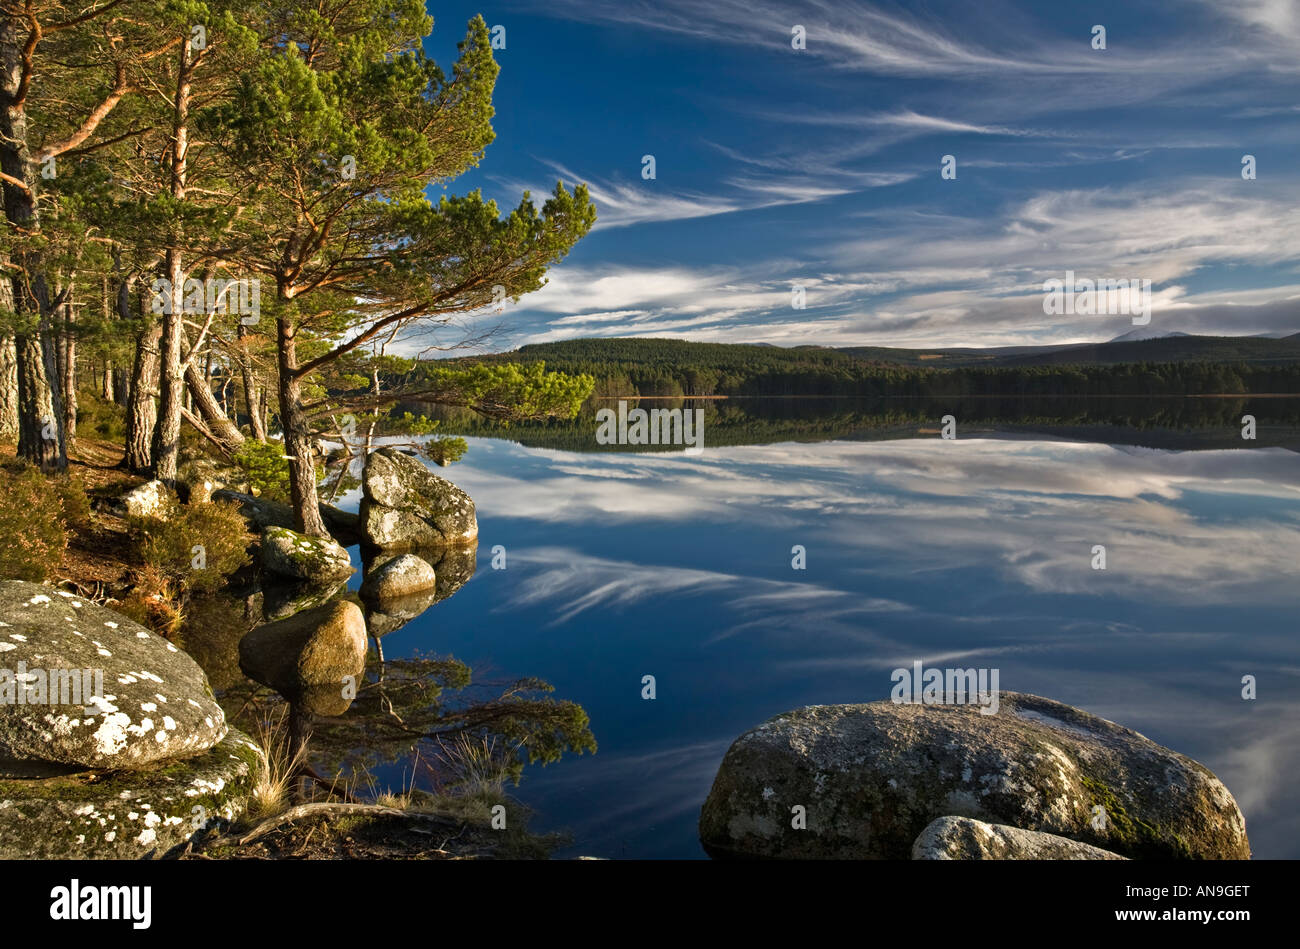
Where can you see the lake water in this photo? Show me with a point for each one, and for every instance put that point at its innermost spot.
(973, 552)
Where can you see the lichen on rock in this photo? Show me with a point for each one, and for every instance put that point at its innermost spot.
(128, 815)
(154, 701)
(871, 777)
(406, 506)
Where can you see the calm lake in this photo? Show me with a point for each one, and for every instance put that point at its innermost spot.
(973, 552)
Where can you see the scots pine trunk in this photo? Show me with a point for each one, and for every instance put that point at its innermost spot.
(251, 397)
(68, 372)
(167, 434)
(297, 437)
(226, 432)
(40, 435)
(8, 378)
(106, 391)
(171, 378)
(141, 410)
(39, 440)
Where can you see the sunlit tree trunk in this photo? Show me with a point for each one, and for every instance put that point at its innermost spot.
(297, 437)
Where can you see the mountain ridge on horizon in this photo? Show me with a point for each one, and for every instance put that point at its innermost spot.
(1168, 347)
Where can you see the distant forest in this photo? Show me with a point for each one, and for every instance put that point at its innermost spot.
(679, 369)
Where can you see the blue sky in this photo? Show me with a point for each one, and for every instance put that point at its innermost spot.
(820, 167)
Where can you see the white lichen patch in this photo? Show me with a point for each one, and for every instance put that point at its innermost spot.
(111, 736)
(63, 725)
(199, 785)
(38, 599)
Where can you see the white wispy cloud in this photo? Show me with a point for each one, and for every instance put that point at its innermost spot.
(951, 280)
(621, 203)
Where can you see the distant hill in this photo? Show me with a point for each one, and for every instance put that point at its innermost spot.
(1143, 332)
(1175, 347)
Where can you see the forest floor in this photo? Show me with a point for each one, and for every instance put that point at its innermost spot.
(98, 558)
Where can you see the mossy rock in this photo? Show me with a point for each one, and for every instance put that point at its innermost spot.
(869, 778)
(127, 815)
(316, 560)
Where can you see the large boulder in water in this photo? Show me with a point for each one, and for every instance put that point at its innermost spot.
(404, 575)
(453, 568)
(871, 777)
(315, 648)
(153, 702)
(406, 506)
(126, 815)
(963, 838)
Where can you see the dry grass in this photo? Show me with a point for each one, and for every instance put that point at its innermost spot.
(474, 765)
(271, 792)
